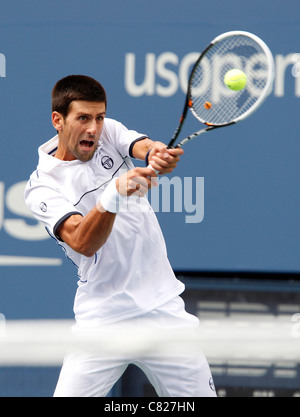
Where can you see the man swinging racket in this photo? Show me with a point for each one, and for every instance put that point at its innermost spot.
(85, 193)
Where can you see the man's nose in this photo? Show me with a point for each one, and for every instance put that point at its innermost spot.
(92, 128)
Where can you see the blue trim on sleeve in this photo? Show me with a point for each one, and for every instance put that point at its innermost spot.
(133, 143)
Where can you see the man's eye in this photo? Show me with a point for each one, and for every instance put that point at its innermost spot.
(83, 118)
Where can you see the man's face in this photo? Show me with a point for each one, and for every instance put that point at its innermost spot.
(80, 131)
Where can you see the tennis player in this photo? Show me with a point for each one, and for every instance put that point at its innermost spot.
(91, 199)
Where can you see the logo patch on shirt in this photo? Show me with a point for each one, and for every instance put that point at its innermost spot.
(43, 207)
(211, 384)
(107, 162)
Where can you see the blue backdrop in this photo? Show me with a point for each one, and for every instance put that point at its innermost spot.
(140, 52)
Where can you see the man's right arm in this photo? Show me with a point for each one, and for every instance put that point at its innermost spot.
(87, 234)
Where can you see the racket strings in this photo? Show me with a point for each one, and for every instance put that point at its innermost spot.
(213, 102)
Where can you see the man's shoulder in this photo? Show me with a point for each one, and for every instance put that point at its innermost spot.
(112, 126)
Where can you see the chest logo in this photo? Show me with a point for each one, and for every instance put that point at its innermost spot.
(107, 162)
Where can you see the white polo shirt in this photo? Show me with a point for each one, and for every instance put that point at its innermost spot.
(130, 275)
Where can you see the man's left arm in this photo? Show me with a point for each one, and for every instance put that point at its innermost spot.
(157, 154)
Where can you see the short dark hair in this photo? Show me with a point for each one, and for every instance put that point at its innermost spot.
(76, 88)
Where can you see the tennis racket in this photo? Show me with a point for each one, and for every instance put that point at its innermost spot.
(210, 100)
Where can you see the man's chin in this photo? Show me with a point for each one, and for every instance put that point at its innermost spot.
(85, 156)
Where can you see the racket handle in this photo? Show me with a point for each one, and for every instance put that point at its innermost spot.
(149, 165)
(174, 147)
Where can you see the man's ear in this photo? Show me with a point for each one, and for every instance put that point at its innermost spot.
(57, 121)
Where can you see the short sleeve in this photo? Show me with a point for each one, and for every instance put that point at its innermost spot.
(122, 138)
(48, 206)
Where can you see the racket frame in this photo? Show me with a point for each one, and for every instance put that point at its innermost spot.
(189, 103)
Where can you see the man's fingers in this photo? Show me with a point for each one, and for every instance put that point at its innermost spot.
(140, 180)
(175, 151)
(166, 160)
(146, 172)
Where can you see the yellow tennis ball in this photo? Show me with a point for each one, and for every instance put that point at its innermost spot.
(235, 79)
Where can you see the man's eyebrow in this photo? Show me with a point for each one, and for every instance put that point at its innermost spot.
(82, 113)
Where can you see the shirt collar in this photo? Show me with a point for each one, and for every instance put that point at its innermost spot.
(47, 162)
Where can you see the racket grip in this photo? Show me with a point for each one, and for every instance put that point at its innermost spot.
(173, 147)
(149, 165)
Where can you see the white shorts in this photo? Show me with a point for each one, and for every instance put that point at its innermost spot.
(86, 374)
